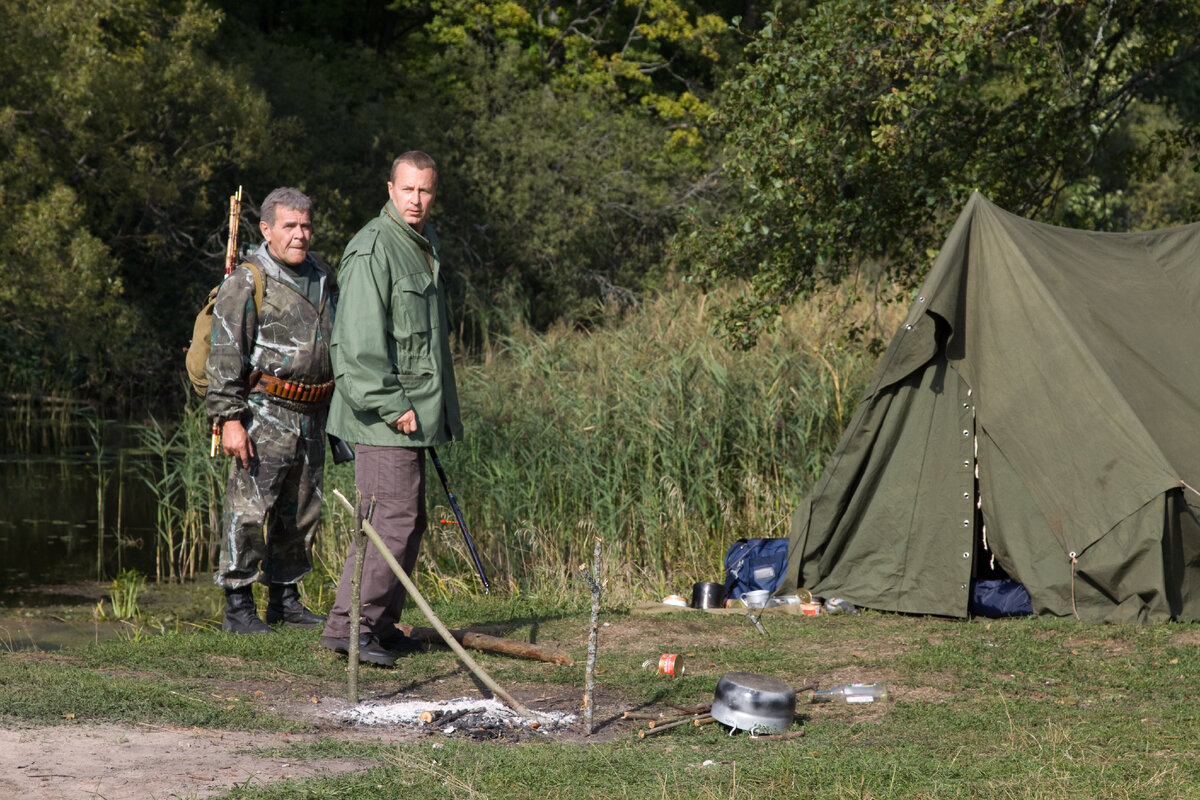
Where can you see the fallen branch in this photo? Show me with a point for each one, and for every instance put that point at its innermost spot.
(644, 715)
(491, 644)
(666, 726)
(689, 711)
(777, 736)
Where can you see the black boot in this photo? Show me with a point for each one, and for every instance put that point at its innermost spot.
(284, 606)
(241, 615)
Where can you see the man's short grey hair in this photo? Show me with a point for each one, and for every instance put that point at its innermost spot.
(414, 158)
(284, 197)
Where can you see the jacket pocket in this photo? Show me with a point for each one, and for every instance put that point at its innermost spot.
(414, 366)
(414, 296)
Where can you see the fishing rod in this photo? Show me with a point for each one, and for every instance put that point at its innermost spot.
(461, 525)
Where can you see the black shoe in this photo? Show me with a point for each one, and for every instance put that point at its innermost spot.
(283, 605)
(241, 615)
(370, 651)
(400, 644)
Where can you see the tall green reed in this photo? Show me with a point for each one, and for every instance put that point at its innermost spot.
(187, 485)
(647, 433)
(95, 431)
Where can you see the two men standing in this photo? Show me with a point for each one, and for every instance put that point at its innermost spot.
(388, 352)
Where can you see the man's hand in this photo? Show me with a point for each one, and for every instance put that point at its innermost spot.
(236, 443)
(407, 422)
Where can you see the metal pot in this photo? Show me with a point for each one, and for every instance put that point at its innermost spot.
(708, 595)
(755, 703)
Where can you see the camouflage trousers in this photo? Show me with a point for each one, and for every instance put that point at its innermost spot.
(282, 488)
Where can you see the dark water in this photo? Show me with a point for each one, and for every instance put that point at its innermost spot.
(55, 526)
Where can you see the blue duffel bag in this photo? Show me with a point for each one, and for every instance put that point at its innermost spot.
(752, 564)
(1000, 598)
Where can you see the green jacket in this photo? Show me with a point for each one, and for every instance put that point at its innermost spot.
(391, 339)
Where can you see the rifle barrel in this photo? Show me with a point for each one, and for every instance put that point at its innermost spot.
(461, 525)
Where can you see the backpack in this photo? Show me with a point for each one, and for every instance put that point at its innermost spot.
(197, 351)
(752, 564)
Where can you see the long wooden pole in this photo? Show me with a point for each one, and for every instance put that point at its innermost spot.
(419, 599)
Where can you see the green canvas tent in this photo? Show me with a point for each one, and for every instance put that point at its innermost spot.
(1039, 406)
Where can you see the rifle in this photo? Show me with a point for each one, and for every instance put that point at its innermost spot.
(231, 261)
(461, 525)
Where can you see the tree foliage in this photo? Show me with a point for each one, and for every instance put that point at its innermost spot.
(857, 129)
(116, 129)
(576, 139)
(567, 133)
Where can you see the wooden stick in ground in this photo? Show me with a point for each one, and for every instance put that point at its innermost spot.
(589, 688)
(491, 644)
(360, 555)
(355, 604)
(419, 599)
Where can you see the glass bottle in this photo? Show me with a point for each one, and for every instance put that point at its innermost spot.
(851, 693)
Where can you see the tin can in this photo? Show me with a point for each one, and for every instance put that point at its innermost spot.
(667, 664)
(810, 609)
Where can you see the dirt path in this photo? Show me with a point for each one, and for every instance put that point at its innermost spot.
(113, 762)
(84, 761)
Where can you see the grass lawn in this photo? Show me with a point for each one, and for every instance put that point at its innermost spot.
(1020, 708)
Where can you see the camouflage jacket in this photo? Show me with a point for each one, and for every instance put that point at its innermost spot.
(288, 339)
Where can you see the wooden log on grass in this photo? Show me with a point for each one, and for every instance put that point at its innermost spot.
(491, 644)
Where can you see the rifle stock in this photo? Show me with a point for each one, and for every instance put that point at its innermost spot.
(235, 215)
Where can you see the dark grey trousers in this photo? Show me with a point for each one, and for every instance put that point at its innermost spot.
(395, 477)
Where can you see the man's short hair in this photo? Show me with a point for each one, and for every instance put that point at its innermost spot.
(414, 158)
(284, 197)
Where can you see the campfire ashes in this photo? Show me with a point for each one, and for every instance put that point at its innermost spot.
(478, 719)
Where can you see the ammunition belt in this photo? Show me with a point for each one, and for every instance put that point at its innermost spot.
(293, 390)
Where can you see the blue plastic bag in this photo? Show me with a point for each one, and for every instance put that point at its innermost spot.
(1000, 598)
(752, 564)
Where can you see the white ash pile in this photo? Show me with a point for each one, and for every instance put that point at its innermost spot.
(479, 719)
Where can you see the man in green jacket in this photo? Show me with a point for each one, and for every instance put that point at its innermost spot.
(395, 394)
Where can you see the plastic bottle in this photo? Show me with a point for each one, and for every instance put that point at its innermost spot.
(852, 693)
(666, 664)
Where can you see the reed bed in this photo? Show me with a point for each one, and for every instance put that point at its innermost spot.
(648, 434)
(188, 488)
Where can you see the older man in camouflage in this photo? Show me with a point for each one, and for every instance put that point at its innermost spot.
(270, 380)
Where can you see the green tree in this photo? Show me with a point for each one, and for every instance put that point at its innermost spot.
(119, 138)
(857, 130)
